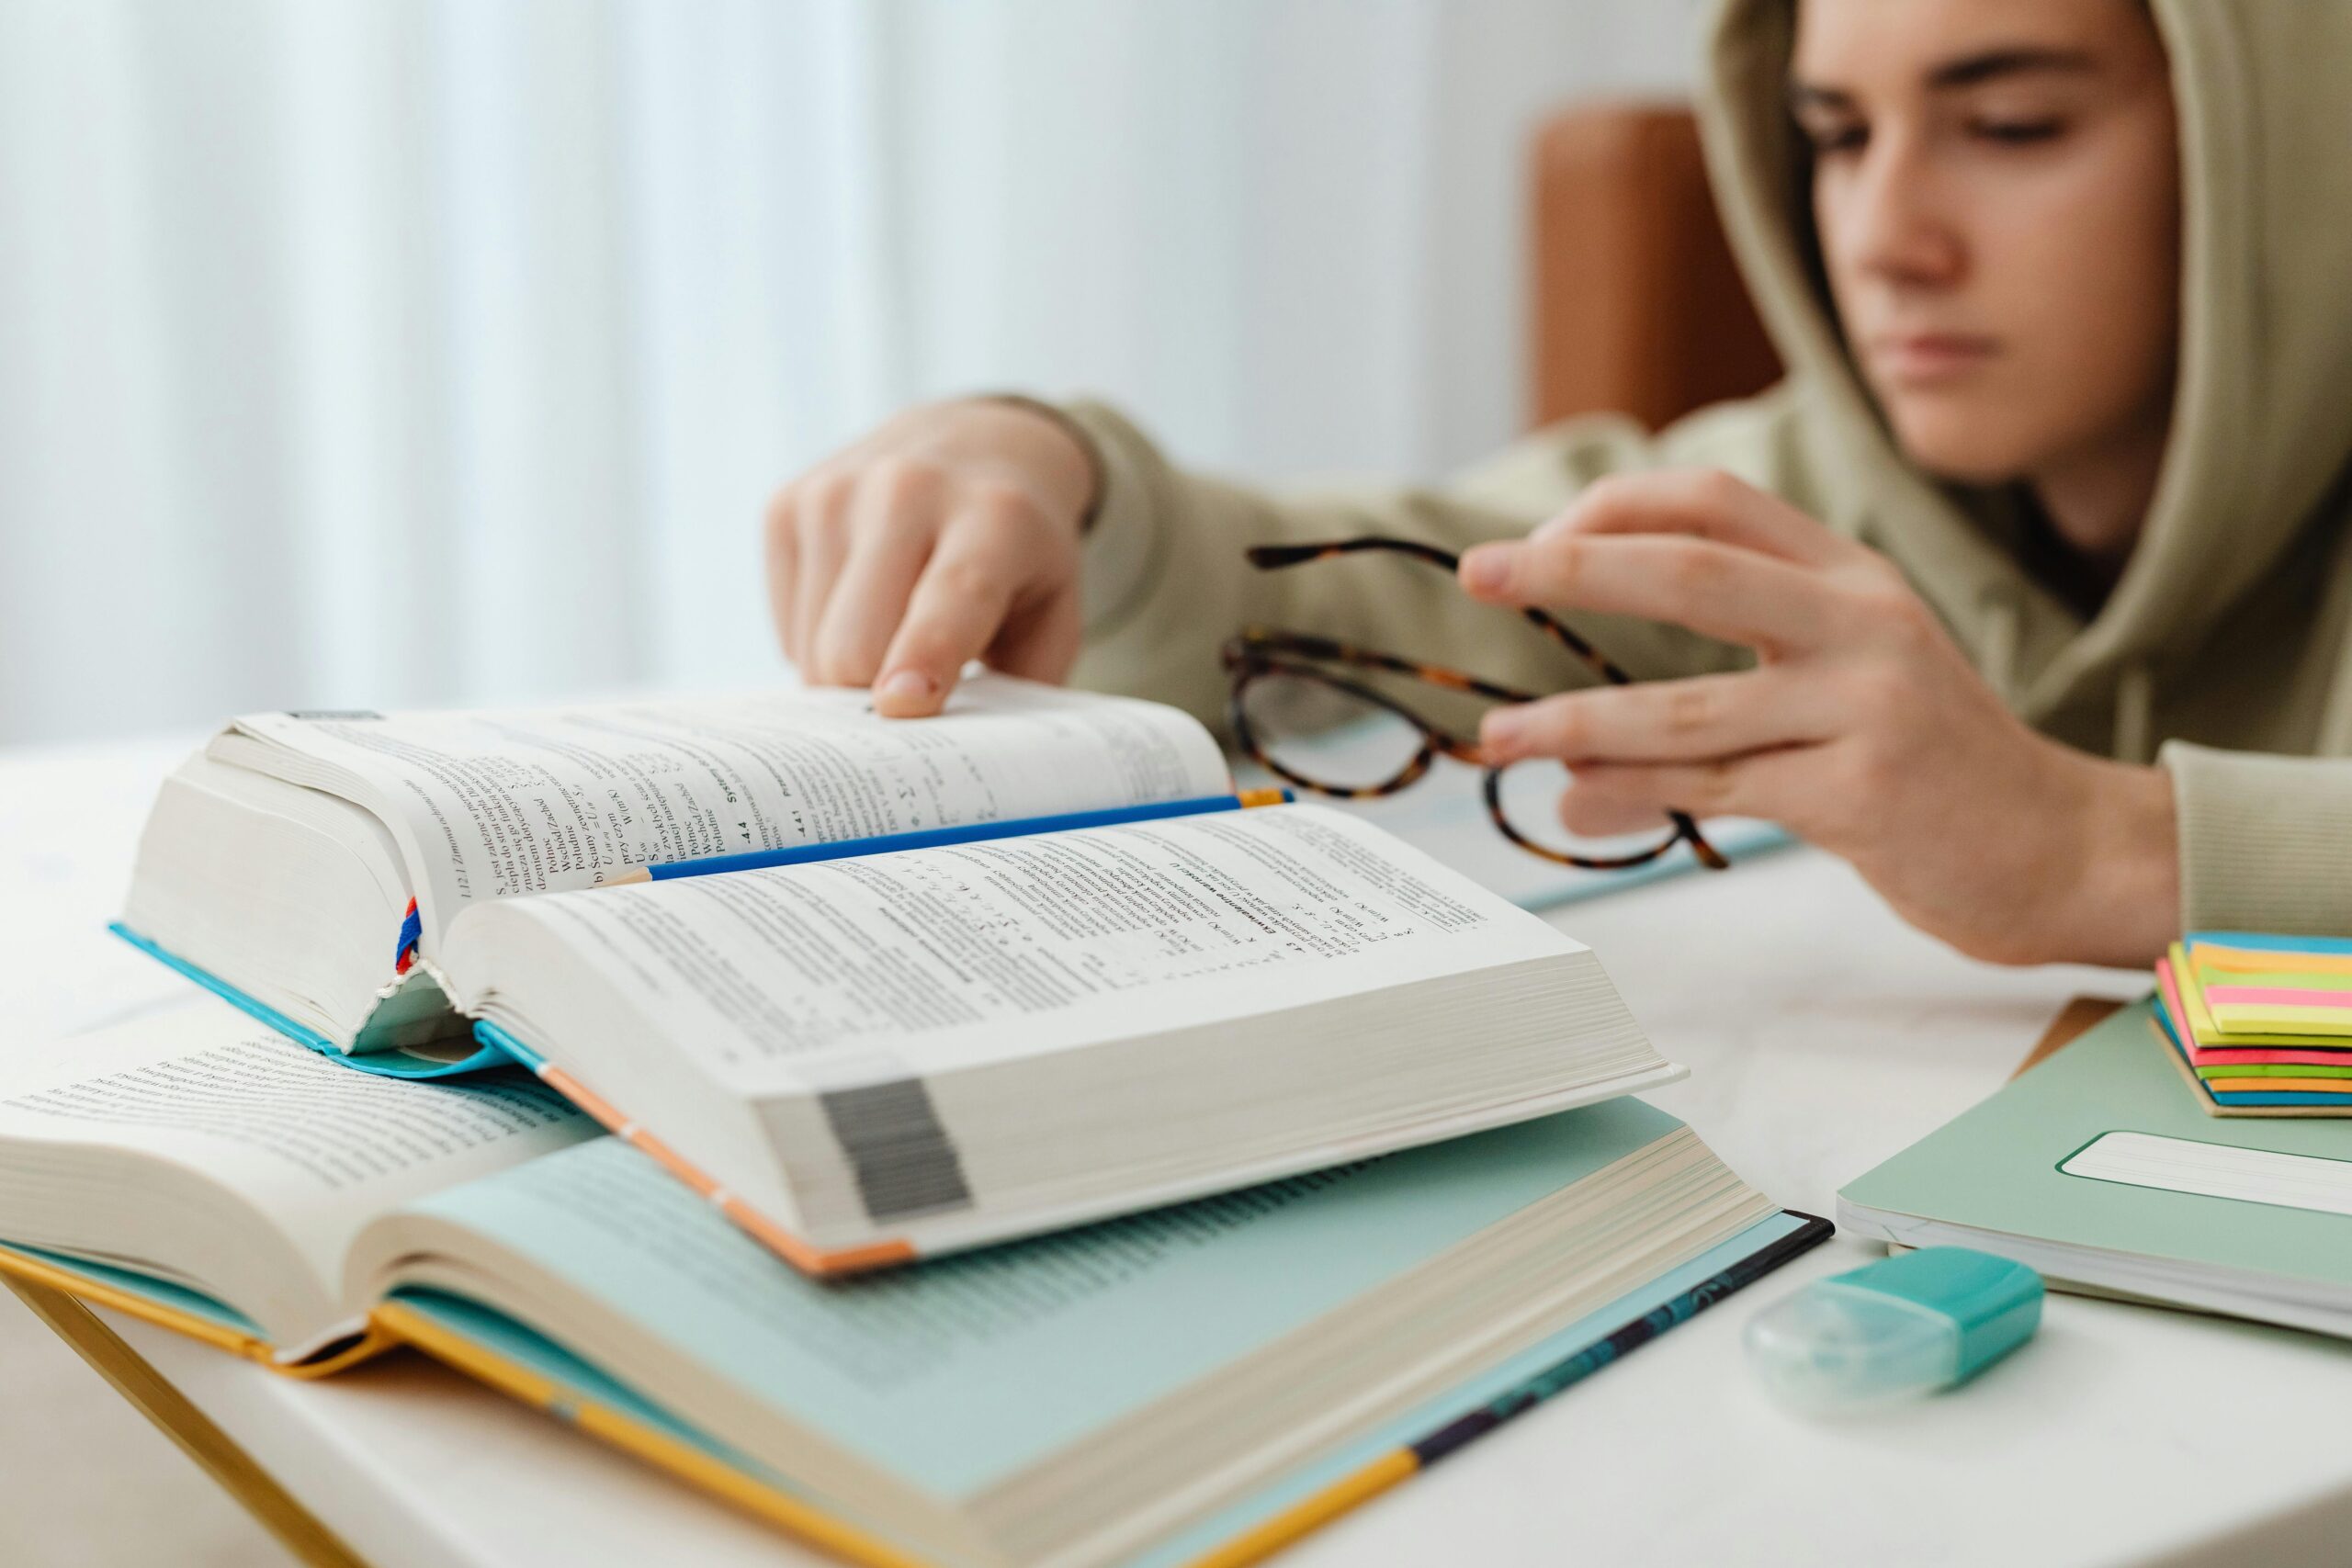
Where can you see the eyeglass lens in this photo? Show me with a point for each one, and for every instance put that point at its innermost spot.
(1315, 732)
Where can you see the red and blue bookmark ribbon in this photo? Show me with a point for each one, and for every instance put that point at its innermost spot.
(411, 933)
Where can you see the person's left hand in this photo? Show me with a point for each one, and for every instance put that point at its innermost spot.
(1862, 729)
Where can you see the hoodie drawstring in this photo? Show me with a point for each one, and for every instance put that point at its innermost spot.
(1999, 662)
(2136, 701)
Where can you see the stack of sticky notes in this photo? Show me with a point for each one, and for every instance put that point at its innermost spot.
(2262, 1025)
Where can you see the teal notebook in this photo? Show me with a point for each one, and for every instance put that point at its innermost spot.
(2099, 1169)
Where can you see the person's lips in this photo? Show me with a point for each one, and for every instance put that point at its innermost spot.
(1923, 359)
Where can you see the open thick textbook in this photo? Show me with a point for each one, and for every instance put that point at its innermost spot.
(889, 1055)
(310, 857)
(1150, 1388)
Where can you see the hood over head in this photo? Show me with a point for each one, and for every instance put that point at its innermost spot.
(2260, 451)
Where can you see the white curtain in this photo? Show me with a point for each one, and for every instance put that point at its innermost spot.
(393, 352)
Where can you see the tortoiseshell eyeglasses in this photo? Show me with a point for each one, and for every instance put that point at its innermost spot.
(1305, 668)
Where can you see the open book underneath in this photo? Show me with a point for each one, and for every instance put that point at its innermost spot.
(1141, 1389)
(889, 1055)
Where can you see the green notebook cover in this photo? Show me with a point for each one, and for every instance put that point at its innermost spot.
(1995, 1168)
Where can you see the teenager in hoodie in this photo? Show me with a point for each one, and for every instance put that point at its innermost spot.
(2027, 591)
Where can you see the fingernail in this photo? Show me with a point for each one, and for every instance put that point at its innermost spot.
(1487, 569)
(905, 686)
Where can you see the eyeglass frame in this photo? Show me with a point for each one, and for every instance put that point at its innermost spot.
(1259, 651)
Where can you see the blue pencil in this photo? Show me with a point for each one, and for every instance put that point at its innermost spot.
(932, 837)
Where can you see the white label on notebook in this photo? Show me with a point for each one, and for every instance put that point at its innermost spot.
(2217, 1170)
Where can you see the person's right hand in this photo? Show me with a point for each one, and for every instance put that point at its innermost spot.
(951, 533)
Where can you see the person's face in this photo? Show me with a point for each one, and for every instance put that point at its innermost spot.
(1996, 193)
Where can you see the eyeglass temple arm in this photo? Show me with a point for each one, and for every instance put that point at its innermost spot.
(1273, 558)
(1266, 648)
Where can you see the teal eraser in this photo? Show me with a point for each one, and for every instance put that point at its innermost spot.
(1904, 1326)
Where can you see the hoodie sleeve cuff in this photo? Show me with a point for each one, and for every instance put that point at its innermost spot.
(2265, 842)
(1125, 531)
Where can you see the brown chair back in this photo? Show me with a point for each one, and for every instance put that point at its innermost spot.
(1638, 306)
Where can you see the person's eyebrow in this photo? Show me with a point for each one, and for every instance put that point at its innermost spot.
(1971, 69)
(1967, 70)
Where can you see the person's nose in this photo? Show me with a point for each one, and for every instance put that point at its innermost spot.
(1894, 229)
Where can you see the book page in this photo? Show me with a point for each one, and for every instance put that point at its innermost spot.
(489, 804)
(944, 958)
(959, 1370)
(318, 1147)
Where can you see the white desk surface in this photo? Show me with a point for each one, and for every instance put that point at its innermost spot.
(1823, 1036)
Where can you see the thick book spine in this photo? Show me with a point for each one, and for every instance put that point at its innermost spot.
(383, 1064)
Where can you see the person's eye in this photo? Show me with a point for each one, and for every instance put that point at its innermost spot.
(1828, 140)
(2018, 132)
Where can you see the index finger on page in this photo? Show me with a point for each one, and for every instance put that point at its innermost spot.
(957, 609)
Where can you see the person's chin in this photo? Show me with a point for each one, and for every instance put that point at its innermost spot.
(1955, 438)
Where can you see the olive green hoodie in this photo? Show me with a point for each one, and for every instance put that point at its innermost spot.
(2228, 639)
